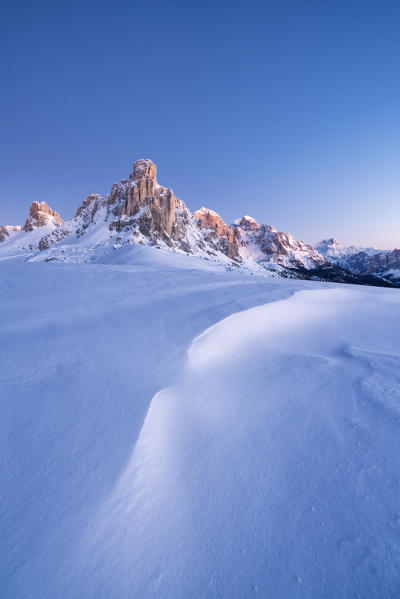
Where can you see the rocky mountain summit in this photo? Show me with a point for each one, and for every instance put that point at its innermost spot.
(266, 245)
(41, 215)
(262, 244)
(336, 252)
(137, 210)
(140, 211)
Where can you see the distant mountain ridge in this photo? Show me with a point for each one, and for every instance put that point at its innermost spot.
(140, 211)
(362, 261)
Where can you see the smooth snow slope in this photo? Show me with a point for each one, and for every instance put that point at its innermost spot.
(145, 454)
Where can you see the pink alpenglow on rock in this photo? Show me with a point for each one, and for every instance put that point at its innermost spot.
(41, 215)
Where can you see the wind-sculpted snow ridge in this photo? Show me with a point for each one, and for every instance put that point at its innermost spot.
(271, 467)
(263, 461)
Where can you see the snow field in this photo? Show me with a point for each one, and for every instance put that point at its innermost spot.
(173, 430)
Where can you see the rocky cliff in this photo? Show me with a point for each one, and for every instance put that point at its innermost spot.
(264, 244)
(41, 215)
(7, 230)
(211, 222)
(139, 210)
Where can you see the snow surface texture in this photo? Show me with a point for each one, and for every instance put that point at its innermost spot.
(172, 430)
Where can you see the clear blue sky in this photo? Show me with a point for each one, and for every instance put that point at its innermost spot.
(287, 111)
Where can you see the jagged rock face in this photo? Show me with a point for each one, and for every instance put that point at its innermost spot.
(220, 232)
(343, 255)
(210, 219)
(145, 169)
(90, 205)
(283, 248)
(362, 261)
(382, 262)
(153, 211)
(84, 217)
(263, 243)
(139, 210)
(130, 197)
(41, 215)
(6, 230)
(247, 223)
(357, 263)
(3, 233)
(330, 245)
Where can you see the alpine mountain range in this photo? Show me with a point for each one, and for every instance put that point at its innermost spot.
(140, 211)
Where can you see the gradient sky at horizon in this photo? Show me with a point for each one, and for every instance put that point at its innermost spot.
(288, 111)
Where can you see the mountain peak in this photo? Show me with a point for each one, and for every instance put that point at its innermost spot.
(41, 215)
(201, 212)
(140, 211)
(144, 169)
(250, 219)
(328, 242)
(210, 219)
(246, 222)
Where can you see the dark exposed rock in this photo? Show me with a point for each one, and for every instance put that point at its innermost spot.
(3, 234)
(358, 262)
(90, 205)
(381, 262)
(5, 231)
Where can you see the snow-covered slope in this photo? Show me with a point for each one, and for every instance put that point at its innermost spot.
(24, 245)
(169, 430)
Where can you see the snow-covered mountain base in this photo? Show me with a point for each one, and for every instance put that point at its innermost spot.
(169, 429)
